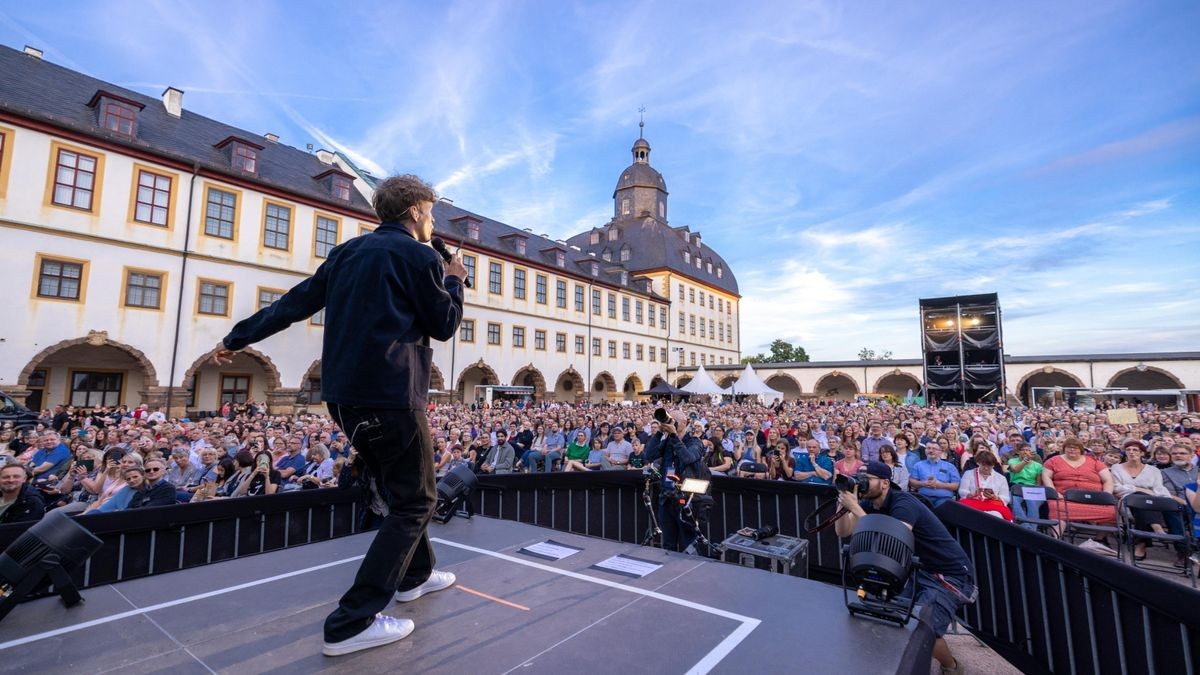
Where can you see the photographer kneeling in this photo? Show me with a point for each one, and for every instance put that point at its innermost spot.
(945, 580)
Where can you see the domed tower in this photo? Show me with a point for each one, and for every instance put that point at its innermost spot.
(641, 190)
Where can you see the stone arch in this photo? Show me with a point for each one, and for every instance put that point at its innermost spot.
(682, 380)
(93, 339)
(633, 384)
(604, 386)
(727, 381)
(1047, 376)
(786, 385)
(268, 366)
(474, 374)
(569, 386)
(836, 385)
(528, 376)
(656, 380)
(436, 380)
(306, 395)
(1143, 376)
(897, 382)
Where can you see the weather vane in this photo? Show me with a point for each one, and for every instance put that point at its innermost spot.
(641, 121)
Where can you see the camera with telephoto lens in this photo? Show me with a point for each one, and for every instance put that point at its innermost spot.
(849, 483)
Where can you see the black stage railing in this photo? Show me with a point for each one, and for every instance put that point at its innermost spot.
(608, 504)
(1048, 606)
(167, 538)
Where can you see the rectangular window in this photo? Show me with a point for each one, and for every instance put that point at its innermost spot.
(118, 117)
(74, 179)
(92, 390)
(595, 346)
(518, 284)
(721, 331)
(560, 342)
(637, 352)
(143, 289)
(153, 198)
(692, 324)
(268, 296)
(710, 329)
(518, 336)
(277, 226)
(578, 298)
(703, 362)
(702, 331)
(625, 309)
(340, 186)
(560, 258)
(469, 263)
(612, 305)
(692, 295)
(220, 213)
(612, 349)
(662, 354)
(693, 357)
(60, 279)
(235, 389)
(681, 292)
(625, 350)
(682, 324)
(466, 330)
(596, 302)
(662, 316)
(638, 311)
(701, 298)
(245, 158)
(653, 353)
(473, 230)
(318, 319)
(540, 283)
(327, 236)
(493, 333)
(710, 301)
(560, 294)
(311, 391)
(579, 344)
(539, 340)
(495, 278)
(214, 298)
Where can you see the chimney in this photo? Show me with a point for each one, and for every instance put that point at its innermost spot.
(325, 156)
(34, 52)
(274, 138)
(173, 101)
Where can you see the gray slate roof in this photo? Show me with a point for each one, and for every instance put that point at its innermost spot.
(40, 90)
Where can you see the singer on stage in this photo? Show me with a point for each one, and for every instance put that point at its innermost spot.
(385, 295)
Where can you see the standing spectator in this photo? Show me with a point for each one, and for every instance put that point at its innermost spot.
(19, 501)
(933, 477)
(871, 443)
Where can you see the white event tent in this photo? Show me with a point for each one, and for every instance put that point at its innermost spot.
(749, 384)
(703, 383)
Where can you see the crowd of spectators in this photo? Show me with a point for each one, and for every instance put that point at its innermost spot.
(117, 459)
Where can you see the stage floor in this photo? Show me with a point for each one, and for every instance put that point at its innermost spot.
(510, 611)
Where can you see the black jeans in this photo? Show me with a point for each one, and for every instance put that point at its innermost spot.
(677, 532)
(398, 451)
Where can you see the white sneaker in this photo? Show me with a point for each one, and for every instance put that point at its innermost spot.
(384, 630)
(436, 582)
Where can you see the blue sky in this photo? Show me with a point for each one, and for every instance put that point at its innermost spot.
(845, 159)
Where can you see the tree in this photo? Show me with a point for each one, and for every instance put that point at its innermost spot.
(867, 354)
(782, 351)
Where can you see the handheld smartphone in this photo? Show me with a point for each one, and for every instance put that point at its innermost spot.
(263, 462)
(87, 464)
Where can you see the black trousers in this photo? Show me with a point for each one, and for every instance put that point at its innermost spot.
(678, 533)
(398, 451)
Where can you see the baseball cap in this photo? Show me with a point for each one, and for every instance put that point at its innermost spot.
(879, 470)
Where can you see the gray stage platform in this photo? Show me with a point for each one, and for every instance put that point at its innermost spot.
(509, 612)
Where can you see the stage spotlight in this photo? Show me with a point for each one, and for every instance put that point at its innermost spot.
(878, 562)
(453, 491)
(51, 548)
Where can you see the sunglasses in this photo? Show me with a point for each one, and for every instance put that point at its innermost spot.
(155, 470)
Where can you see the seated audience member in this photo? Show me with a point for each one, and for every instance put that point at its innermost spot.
(318, 469)
(1073, 470)
(52, 458)
(984, 487)
(812, 465)
(500, 457)
(456, 458)
(618, 450)
(1133, 476)
(889, 456)
(262, 479)
(115, 482)
(906, 456)
(19, 501)
(717, 460)
(1024, 468)
(637, 458)
(596, 459)
(577, 453)
(779, 463)
(933, 477)
(291, 464)
(156, 489)
(1176, 479)
(241, 469)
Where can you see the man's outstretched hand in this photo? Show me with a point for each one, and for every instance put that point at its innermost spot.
(223, 356)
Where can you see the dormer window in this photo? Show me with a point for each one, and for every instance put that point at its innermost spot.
(595, 238)
(595, 269)
(626, 208)
(340, 186)
(709, 267)
(698, 244)
(116, 113)
(521, 246)
(698, 262)
(560, 258)
(687, 257)
(626, 253)
(607, 255)
(719, 270)
(243, 154)
(613, 233)
(473, 229)
(624, 278)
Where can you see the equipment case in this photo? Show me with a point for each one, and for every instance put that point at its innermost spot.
(779, 554)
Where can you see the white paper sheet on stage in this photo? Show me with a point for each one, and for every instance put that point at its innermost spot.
(550, 550)
(627, 566)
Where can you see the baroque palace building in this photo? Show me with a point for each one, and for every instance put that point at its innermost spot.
(137, 232)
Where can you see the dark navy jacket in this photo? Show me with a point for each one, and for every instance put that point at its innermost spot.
(29, 506)
(161, 493)
(385, 294)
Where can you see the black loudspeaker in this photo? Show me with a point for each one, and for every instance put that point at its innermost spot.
(49, 550)
(962, 345)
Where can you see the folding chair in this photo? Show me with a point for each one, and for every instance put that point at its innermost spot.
(1138, 501)
(1044, 525)
(1073, 529)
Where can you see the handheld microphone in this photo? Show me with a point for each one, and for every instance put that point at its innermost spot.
(439, 245)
